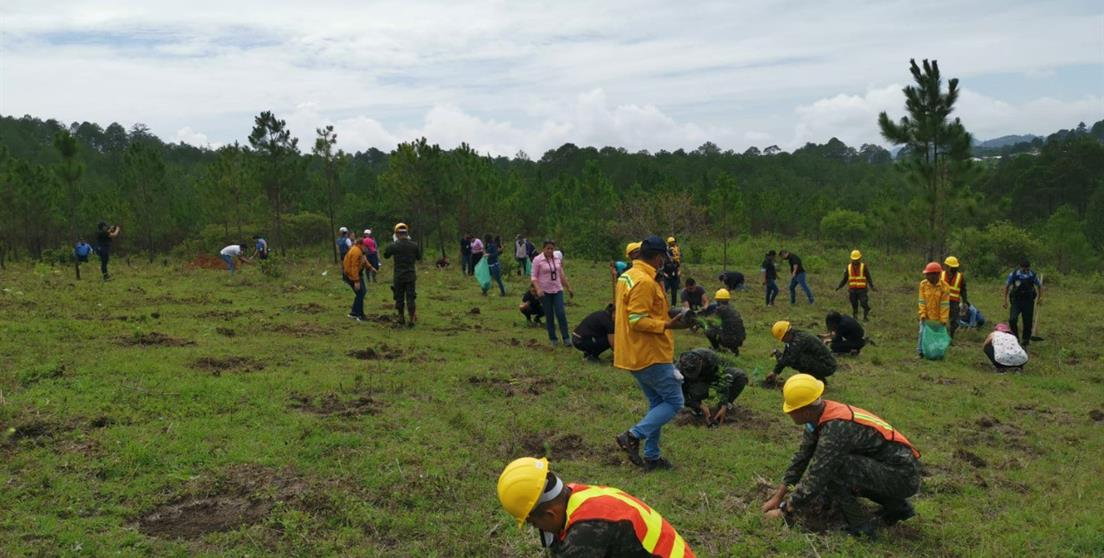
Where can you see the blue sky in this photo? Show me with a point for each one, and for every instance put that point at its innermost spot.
(530, 76)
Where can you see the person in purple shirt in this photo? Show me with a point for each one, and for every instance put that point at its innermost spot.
(550, 282)
(476, 252)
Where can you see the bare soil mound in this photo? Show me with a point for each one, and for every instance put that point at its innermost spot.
(333, 405)
(153, 339)
(218, 365)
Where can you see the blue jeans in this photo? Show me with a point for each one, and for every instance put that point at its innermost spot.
(672, 283)
(358, 296)
(553, 304)
(664, 394)
(496, 275)
(799, 279)
(772, 291)
(229, 262)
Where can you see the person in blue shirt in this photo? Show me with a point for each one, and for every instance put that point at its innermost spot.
(260, 247)
(1024, 290)
(492, 250)
(82, 251)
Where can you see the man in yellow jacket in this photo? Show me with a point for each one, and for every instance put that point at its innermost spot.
(934, 303)
(646, 347)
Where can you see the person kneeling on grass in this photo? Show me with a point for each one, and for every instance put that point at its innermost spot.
(1004, 350)
(594, 335)
(233, 251)
(845, 333)
(730, 334)
(702, 370)
(803, 352)
(845, 453)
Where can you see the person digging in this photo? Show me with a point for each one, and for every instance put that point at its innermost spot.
(576, 520)
(845, 452)
(730, 334)
(703, 370)
(803, 352)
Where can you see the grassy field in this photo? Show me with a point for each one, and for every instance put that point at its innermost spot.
(179, 412)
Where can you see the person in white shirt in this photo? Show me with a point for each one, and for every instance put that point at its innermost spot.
(1004, 350)
(233, 251)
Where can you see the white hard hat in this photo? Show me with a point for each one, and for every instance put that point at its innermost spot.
(343, 229)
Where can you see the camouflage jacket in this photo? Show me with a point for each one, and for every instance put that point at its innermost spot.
(703, 370)
(821, 452)
(806, 353)
(732, 325)
(598, 538)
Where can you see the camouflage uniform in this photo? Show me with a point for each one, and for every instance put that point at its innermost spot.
(806, 353)
(848, 460)
(730, 335)
(702, 371)
(599, 538)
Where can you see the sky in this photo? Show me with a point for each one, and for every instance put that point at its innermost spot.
(530, 76)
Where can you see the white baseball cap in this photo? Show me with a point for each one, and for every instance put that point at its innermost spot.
(367, 231)
(343, 229)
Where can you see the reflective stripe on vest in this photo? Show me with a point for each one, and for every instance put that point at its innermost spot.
(656, 536)
(841, 411)
(956, 286)
(856, 280)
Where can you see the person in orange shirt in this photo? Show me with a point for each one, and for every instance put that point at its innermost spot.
(934, 303)
(646, 347)
(351, 267)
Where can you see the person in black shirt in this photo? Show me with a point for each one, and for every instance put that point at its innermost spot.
(531, 307)
(693, 296)
(847, 334)
(797, 276)
(733, 280)
(104, 236)
(594, 334)
(465, 255)
(770, 276)
(406, 253)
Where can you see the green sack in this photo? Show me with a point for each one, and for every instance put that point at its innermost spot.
(528, 267)
(483, 274)
(934, 340)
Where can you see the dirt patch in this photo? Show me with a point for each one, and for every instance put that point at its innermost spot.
(242, 496)
(307, 308)
(768, 383)
(554, 446)
(453, 329)
(383, 318)
(224, 314)
(225, 331)
(510, 387)
(218, 365)
(333, 405)
(206, 262)
(101, 422)
(970, 457)
(1096, 415)
(154, 339)
(304, 329)
(382, 352)
(474, 311)
(33, 429)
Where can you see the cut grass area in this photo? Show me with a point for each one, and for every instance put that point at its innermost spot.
(178, 412)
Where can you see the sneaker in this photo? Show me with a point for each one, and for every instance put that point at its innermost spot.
(660, 464)
(567, 343)
(356, 318)
(631, 445)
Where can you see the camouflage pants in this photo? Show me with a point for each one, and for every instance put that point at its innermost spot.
(887, 484)
(719, 341)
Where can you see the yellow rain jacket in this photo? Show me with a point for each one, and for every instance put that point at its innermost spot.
(641, 313)
(935, 301)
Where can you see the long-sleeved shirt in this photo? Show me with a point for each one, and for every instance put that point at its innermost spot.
(934, 302)
(807, 353)
(815, 463)
(640, 332)
(548, 274)
(848, 329)
(732, 325)
(703, 370)
(847, 275)
(406, 253)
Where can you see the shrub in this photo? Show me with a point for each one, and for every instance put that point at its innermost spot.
(843, 226)
(996, 249)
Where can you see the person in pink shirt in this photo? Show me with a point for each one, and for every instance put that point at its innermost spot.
(476, 252)
(371, 251)
(550, 282)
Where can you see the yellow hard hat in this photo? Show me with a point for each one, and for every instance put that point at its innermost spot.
(400, 227)
(520, 486)
(779, 329)
(670, 240)
(951, 261)
(722, 294)
(856, 255)
(631, 247)
(799, 391)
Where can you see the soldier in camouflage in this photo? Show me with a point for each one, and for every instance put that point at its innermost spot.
(730, 334)
(805, 353)
(845, 452)
(702, 370)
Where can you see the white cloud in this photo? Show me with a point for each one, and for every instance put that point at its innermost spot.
(189, 136)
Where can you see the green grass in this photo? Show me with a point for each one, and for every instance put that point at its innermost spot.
(326, 454)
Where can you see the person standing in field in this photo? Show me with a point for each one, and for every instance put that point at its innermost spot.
(550, 281)
(934, 301)
(229, 253)
(1025, 290)
(770, 277)
(956, 283)
(797, 276)
(493, 251)
(82, 250)
(672, 267)
(353, 267)
(858, 281)
(645, 346)
(476, 252)
(105, 235)
(407, 254)
(343, 243)
(521, 253)
(371, 251)
(465, 255)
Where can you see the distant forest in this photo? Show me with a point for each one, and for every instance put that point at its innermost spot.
(57, 180)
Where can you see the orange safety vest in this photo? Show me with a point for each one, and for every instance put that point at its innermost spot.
(856, 279)
(842, 411)
(956, 285)
(589, 503)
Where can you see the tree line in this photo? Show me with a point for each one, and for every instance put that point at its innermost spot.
(58, 180)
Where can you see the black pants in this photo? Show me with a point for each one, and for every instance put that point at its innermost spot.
(953, 325)
(719, 341)
(859, 297)
(404, 296)
(673, 286)
(1025, 308)
(475, 257)
(533, 311)
(104, 253)
(888, 484)
(841, 345)
(521, 265)
(591, 346)
(992, 358)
